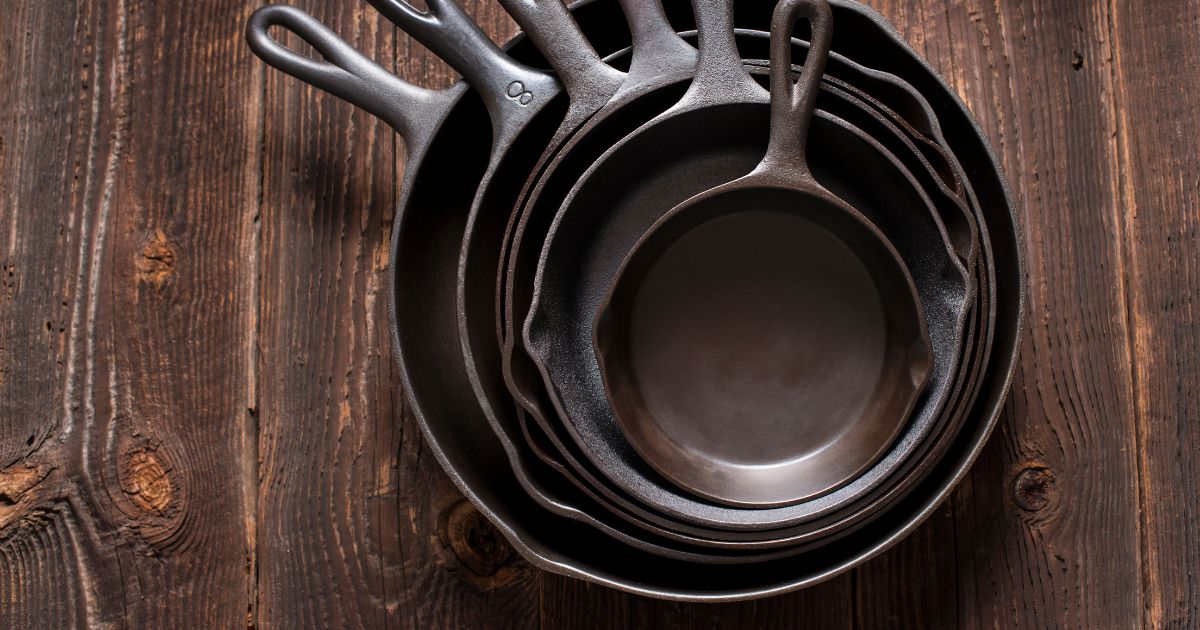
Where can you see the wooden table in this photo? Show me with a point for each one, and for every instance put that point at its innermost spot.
(199, 421)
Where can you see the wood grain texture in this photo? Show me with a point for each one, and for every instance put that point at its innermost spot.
(1156, 56)
(200, 423)
(123, 220)
(323, 489)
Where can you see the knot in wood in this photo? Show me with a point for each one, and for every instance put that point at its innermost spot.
(17, 480)
(475, 541)
(1033, 488)
(157, 261)
(148, 483)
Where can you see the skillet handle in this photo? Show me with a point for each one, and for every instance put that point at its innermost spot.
(553, 29)
(720, 74)
(345, 72)
(657, 49)
(792, 103)
(508, 87)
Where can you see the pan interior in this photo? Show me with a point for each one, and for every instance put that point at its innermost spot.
(757, 359)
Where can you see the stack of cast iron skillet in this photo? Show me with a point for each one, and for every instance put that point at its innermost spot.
(720, 304)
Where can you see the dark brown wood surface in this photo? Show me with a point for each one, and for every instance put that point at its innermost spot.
(199, 419)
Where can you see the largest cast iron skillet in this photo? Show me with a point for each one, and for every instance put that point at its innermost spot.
(599, 223)
(708, 558)
(440, 398)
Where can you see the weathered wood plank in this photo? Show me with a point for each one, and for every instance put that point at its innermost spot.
(37, 585)
(327, 433)
(128, 183)
(1060, 471)
(360, 527)
(1155, 47)
(164, 380)
(49, 133)
(43, 118)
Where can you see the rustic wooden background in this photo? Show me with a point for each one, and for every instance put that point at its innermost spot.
(199, 423)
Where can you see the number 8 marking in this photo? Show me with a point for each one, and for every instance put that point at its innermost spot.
(517, 92)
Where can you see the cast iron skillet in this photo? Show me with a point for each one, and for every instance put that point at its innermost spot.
(582, 514)
(863, 188)
(597, 225)
(582, 150)
(394, 16)
(440, 399)
(546, 446)
(692, 585)
(762, 343)
(813, 531)
(695, 584)
(543, 449)
(880, 130)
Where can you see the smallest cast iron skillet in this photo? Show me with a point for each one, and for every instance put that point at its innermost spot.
(595, 229)
(763, 342)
